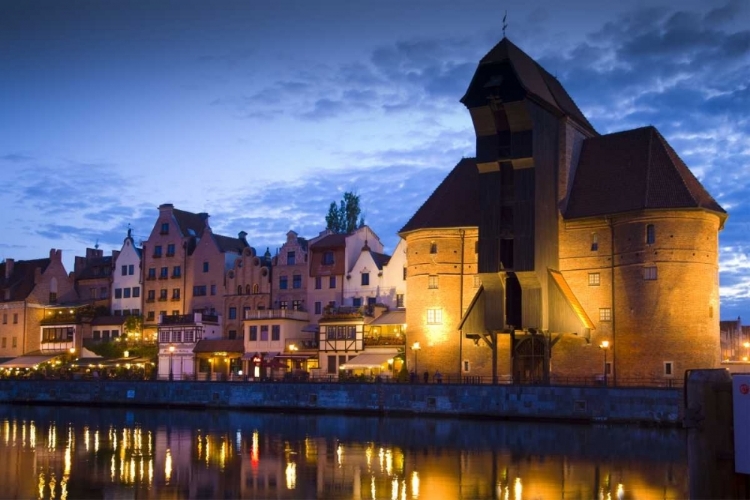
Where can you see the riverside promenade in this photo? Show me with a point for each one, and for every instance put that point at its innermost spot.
(628, 405)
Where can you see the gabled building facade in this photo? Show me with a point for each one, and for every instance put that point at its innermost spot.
(248, 289)
(127, 280)
(291, 274)
(93, 277)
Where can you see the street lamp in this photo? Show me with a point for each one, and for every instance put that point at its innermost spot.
(604, 346)
(415, 347)
(171, 352)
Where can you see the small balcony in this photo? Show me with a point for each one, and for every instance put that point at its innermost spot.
(276, 314)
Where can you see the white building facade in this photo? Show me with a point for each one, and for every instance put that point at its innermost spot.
(126, 293)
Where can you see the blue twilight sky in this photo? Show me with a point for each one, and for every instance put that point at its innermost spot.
(262, 112)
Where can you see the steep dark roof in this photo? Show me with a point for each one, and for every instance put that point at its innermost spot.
(455, 202)
(330, 241)
(108, 320)
(189, 221)
(229, 244)
(380, 259)
(21, 280)
(633, 170)
(535, 79)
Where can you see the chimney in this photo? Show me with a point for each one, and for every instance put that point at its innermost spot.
(166, 207)
(8, 268)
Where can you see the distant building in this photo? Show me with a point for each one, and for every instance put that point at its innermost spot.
(556, 243)
(93, 277)
(127, 280)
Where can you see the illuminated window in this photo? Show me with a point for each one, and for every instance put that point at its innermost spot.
(650, 234)
(432, 282)
(594, 242)
(434, 316)
(256, 288)
(649, 273)
(594, 279)
(283, 305)
(605, 314)
(297, 305)
(433, 247)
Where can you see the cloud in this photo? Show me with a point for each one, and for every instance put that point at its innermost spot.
(16, 158)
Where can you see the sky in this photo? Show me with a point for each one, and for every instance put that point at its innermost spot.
(262, 112)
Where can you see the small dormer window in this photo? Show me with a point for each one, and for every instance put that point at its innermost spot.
(650, 234)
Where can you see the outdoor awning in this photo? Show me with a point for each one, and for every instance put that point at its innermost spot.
(29, 361)
(370, 359)
(265, 355)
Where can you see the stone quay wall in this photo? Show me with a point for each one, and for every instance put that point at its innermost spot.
(653, 406)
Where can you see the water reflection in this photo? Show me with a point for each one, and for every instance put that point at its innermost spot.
(94, 453)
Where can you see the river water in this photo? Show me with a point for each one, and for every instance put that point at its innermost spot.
(75, 452)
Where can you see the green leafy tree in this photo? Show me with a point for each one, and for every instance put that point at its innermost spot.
(345, 217)
(133, 326)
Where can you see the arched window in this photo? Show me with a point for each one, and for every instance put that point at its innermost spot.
(239, 289)
(650, 234)
(256, 288)
(247, 289)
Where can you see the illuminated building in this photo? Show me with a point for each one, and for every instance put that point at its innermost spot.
(555, 239)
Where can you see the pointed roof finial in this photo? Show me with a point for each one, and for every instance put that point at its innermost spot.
(96, 245)
(505, 25)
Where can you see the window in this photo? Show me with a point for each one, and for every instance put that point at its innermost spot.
(605, 314)
(477, 281)
(15, 318)
(176, 272)
(668, 368)
(328, 258)
(275, 332)
(370, 301)
(649, 273)
(297, 305)
(232, 334)
(151, 295)
(256, 288)
(432, 281)
(290, 260)
(131, 269)
(163, 294)
(283, 304)
(297, 281)
(399, 300)
(404, 274)
(332, 282)
(135, 312)
(608, 368)
(151, 273)
(165, 228)
(118, 293)
(433, 248)
(205, 267)
(4, 342)
(150, 316)
(264, 333)
(213, 290)
(232, 313)
(5, 318)
(199, 290)
(246, 312)
(175, 294)
(118, 312)
(15, 342)
(157, 251)
(126, 293)
(650, 234)
(163, 273)
(357, 301)
(253, 333)
(434, 316)
(136, 291)
(52, 297)
(318, 308)
(365, 279)
(283, 282)
(594, 279)
(594, 242)
(103, 292)
(170, 250)
(318, 282)
(124, 270)
(466, 366)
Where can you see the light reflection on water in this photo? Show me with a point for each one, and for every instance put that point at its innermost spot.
(61, 453)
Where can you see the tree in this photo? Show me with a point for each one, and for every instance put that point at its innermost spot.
(345, 217)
